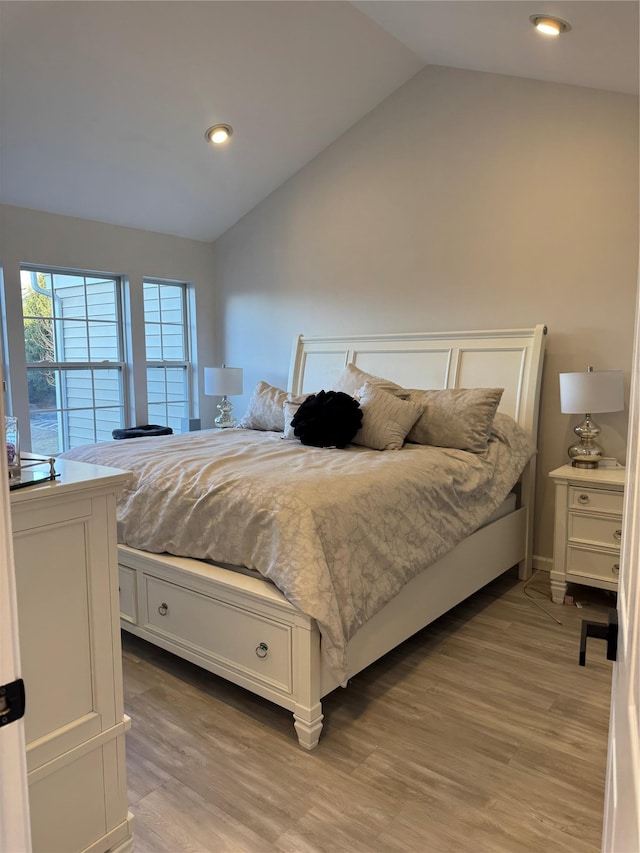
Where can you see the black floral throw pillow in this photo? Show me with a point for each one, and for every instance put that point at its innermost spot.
(327, 419)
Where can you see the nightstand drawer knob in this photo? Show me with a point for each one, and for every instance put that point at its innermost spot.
(615, 569)
(583, 499)
(163, 609)
(262, 650)
(617, 535)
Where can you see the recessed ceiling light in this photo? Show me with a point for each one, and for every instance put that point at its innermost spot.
(219, 133)
(549, 25)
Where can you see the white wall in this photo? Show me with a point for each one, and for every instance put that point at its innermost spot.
(466, 200)
(33, 237)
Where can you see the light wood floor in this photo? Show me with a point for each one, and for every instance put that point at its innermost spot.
(481, 733)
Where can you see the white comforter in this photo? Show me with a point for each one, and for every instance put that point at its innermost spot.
(338, 531)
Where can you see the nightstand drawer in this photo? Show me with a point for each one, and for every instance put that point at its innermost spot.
(596, 530)
(595, 500)
(595, 564)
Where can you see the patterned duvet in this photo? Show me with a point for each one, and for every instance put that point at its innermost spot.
(339, 532)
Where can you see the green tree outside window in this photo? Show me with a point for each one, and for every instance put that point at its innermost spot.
(39, 344)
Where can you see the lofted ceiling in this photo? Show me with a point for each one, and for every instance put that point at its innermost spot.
(104, 105)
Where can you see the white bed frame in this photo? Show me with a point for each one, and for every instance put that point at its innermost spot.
(243, 629)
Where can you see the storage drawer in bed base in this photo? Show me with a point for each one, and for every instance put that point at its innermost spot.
(222, 621)
(247, 643)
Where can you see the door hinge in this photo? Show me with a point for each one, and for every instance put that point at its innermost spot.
(12, 701)
(602, 631)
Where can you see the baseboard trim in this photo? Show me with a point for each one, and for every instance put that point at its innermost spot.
(542, 564)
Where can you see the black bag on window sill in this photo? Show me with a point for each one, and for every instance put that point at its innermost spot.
(142, 431)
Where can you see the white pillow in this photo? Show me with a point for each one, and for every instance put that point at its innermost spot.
(265, 409)
(386, 419)
(352, 379)
(291, 406)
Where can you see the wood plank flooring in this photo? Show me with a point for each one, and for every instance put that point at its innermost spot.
(481, 733)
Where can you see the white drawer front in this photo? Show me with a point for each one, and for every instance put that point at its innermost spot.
(599, 531)
(128, 595)
(595, 500)
(247, 643)
(595, 564)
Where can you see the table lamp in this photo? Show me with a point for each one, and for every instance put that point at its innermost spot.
(585, 393)
(223, 382)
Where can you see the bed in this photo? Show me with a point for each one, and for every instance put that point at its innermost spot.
(268, 630)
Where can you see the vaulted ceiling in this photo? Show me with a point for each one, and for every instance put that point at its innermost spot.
(104, 105)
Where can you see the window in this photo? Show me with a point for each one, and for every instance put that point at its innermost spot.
(75, 360)
(167, 347)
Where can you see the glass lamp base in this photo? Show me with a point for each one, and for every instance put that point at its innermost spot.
(225, 419)
(586, 453)
(585, 463)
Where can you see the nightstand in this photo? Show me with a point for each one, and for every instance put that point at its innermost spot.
(588, 528)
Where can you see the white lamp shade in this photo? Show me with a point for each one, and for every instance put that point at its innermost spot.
(591, 391)
(222, 381)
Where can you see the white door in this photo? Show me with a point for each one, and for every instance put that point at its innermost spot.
(15, 835)
(622, 800)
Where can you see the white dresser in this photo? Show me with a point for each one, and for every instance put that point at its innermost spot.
(588, 528)
(64, 538)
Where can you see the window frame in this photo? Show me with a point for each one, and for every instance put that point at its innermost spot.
(121, 365)
(164, 364)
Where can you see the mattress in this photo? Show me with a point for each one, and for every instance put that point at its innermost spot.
(508, 505)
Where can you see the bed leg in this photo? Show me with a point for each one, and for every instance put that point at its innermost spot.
(527, 493)
(308, 725)
(307, 667)
(524, 569)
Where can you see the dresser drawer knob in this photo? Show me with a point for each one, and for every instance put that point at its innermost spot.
(583, 499)
(163, 609)
(262, 650)
(615, 569)
(617, 535)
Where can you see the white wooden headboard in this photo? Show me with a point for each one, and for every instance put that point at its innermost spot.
(510, 359)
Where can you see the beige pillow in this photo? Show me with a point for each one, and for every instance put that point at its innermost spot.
(352, 379)
(265, 409)
(291, 406)
(386, 419)
(456, 417)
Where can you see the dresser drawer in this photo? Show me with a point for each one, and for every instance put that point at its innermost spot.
(595, 564)
(595, 500)
(247, 643)
(594, 529)
(128, 595)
